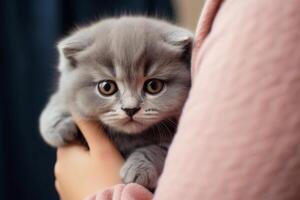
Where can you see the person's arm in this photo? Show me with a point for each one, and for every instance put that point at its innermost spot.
(239, 134)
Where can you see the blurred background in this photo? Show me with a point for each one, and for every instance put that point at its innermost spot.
(29, 32)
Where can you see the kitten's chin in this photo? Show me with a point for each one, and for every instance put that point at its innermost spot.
(130, 127)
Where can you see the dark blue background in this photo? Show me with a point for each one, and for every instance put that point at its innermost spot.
(28, 34)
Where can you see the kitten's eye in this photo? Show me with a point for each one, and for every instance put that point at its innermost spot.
(107, 87)
(153, 86)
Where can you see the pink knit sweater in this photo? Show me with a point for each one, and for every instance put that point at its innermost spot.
(239, 134)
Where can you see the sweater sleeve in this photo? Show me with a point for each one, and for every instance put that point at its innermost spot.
(238, 136)
(122, 192)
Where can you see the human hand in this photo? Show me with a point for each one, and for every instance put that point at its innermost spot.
(80, 172)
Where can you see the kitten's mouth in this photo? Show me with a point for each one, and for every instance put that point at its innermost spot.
(132, 126)
(130, 120)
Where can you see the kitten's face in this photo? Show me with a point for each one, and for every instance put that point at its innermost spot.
(130, 80)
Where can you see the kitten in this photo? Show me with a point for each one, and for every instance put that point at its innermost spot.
(132, 74)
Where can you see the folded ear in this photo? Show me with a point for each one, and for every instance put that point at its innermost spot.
(69, 48)
(179, 37)
(182, 40)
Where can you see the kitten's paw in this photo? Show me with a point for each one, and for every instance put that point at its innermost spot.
(60, 132)
(139, 171)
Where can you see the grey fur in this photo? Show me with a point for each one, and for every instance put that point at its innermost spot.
(128, 50)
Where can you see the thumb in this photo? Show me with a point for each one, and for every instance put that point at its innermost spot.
(94, 135)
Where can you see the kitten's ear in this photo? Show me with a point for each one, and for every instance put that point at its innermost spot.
(68, 49)
(180, 37)
(182, 40)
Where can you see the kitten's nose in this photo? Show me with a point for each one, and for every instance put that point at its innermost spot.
(131, 111)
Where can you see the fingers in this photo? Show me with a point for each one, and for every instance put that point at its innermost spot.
(68, 160)
(65, 152)
(57, 187)
(56, 183)
(94, 135)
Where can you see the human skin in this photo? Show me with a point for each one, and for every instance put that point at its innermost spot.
(79, 171)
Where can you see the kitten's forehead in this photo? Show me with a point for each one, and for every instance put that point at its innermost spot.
(128, 41)
(129, 48)
(136, 46)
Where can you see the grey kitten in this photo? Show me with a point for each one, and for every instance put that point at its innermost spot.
(132, 74)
